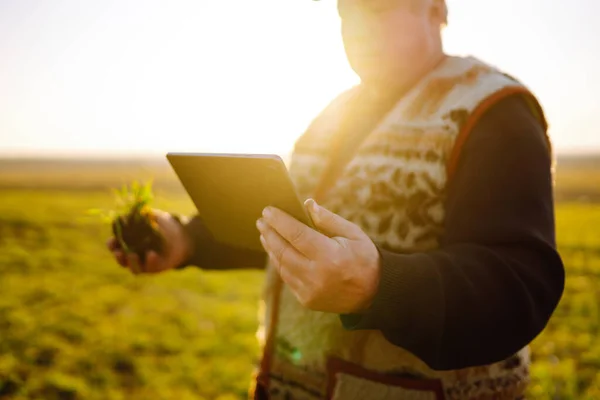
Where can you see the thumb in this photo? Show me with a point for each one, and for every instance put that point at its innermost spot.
(330, 223)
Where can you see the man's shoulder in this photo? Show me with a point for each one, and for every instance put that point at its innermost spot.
(474, 86)
(495, 105)
(475, 80)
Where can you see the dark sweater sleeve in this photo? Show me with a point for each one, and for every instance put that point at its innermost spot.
(497, 277)
(211, 255)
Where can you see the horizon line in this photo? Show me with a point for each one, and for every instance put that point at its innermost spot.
(120, 154)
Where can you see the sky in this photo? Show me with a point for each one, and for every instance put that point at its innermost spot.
(116, 77)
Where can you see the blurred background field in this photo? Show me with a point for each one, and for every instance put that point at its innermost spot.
(74, 325)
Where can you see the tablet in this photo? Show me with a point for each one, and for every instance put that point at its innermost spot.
(230, 192)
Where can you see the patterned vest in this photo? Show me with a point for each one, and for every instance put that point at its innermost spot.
(394, 187)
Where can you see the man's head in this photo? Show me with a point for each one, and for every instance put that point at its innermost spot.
(390, 41)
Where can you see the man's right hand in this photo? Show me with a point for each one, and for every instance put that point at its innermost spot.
(178, 248)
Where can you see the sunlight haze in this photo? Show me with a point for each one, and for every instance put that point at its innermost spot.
(124, 76)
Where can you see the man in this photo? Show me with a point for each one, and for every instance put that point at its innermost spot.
(435, 261)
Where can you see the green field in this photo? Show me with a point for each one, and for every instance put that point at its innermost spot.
(74, 325)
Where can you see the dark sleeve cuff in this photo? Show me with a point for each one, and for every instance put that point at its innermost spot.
(364, 319)
(209, 254)
(407, 289)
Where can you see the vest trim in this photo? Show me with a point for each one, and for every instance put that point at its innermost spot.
(473, 119)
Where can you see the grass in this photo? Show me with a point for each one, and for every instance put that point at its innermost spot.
(567, 353)
(74, 325)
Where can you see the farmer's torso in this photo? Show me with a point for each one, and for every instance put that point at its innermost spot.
(393, 187)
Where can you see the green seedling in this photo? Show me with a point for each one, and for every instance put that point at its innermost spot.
(133, 221)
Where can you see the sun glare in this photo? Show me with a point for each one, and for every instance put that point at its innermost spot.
(232, 76)
(182, 76)
(276, 79)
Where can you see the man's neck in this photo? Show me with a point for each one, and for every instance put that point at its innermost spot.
(399, 87)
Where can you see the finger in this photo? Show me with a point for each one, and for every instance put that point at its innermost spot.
(134, 264)
(305, 239)
(286, 256)
(286, 276)
(120, 257)
(113, 244)
(153, 262)
(331, 223)
(294, 283)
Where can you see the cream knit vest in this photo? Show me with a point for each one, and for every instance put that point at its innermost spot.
(394, 188)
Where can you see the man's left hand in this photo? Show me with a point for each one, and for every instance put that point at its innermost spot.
(334, 269)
